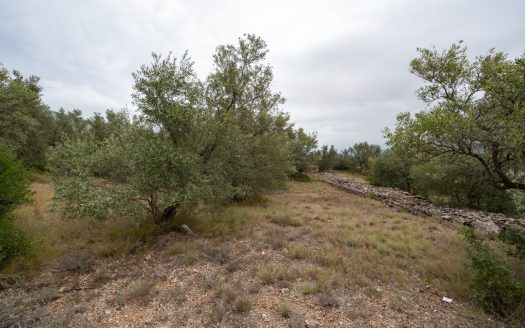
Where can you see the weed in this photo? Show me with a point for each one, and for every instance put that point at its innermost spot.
(298, 251)
(373, 293)
(187, 249)
(285, 219)
(284, 309)
(226, 293)
(494, 284)
(212, 281)
(310, 287)
(327, 300)
(272, 275)
(297, 320)
(243, 304)
(139, 291)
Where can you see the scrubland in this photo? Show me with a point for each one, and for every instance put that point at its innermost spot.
(302, 256)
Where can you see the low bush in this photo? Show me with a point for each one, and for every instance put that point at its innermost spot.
(390, 170)
(302, 177)
(494, 285)
(13, 191)
(13, 242)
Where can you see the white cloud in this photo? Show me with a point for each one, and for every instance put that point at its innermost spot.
(343, 65)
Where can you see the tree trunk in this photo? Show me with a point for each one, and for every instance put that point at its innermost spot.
(168, 213)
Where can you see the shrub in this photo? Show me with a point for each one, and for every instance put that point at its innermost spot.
(390, 170)
(516, 240)
(13, 242)
(13, 191)
(460, 182)
(13, 182)
(302, 177)
(494, 285)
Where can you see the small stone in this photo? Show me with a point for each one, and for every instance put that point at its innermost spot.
(148, 257)
(185, 229)
(108, 312)
(446, 299)
(62, 289)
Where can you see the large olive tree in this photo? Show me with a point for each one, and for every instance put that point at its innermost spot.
(190, 141)
(475, 109)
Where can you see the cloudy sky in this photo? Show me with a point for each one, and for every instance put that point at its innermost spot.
(342, 65)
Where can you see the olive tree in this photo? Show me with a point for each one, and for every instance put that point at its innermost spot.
(25, 120)
(190, 141)
(475, 109)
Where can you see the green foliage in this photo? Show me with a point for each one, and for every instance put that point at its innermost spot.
(13, 182)
(304, 177)
(302, 149)
(13, 242)
(25, 122)
(460, 182)
(328, 158)
(494, 285)
(250, 134)
(391, 169)
(13, 191)
(191, 141)
(476, 110)
(516, 240)
(361, 153)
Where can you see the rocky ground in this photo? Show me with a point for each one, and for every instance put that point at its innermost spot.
(310, 256)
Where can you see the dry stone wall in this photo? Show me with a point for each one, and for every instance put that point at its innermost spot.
(491, 222)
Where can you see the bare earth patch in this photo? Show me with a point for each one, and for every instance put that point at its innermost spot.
(310, 256)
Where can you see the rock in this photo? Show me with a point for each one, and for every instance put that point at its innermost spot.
(446, 299)
(185, 229)
(108, 312)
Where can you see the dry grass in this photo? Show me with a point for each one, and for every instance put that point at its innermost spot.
(320, 243)
(298, 251)
(310, 287)
(139, 291)
(284, 308)
(285, 219)
(278, 274)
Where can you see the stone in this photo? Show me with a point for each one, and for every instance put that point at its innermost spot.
(446, 299)
(185, 229)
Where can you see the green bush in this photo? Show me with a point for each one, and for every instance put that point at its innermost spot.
(13, 181)
(515, 239)
(390, 170)
(13, 242)
(13, 191)
(301, 176)
(460, 182)
(494, 285)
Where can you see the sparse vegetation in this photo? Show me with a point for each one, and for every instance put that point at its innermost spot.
(494, 284)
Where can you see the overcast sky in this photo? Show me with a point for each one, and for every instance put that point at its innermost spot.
(342, 65)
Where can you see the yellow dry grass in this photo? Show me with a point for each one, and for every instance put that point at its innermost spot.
(351, 241)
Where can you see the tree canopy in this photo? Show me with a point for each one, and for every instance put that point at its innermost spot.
(475, 109)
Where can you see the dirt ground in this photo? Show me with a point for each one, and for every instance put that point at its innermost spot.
(307, 256)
